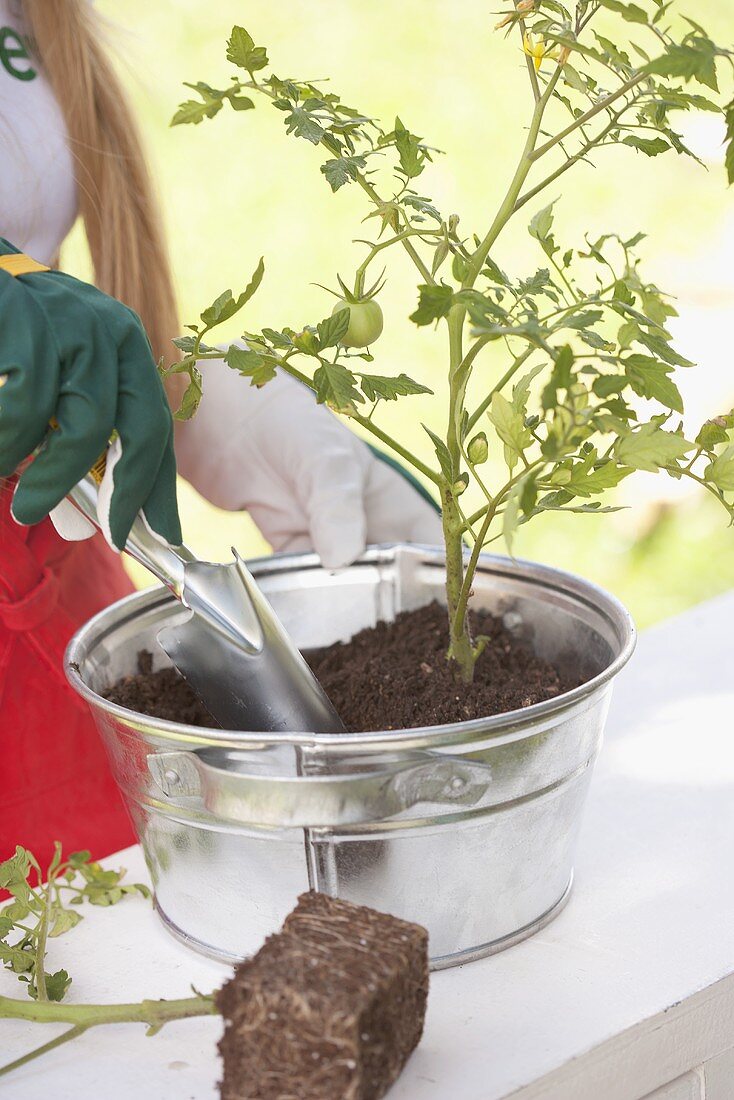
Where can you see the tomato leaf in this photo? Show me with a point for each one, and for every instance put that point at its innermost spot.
(342, 170)
(386, 388)
(332, 329)
(336, 387)
(650, 448)
(434, 302)
(242, 51)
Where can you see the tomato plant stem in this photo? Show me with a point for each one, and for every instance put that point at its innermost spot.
(82, 1017)
(460, 576)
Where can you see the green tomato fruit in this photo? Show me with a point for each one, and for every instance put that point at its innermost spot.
(365, 323)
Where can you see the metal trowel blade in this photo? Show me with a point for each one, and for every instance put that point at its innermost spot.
(237, 657)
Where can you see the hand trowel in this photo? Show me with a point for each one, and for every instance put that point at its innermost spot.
(227, 642)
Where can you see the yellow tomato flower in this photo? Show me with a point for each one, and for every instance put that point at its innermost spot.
(534, 46)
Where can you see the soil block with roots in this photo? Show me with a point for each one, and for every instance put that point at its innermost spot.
(330, 1008)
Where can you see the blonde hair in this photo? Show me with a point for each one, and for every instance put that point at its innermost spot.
(116, 198)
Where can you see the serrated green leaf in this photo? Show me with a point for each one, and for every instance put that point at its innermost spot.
(409, 151)
(221, 308)
(694, 60)
(649, 448)
(277, 339)
(259, 368)
(19, 960)
(617, 55)
(332, 329)
(225, 306)
(628, 333)
(510, 427)
(573, 78)
(191, 398)
(20, 908)
(14, 871)
(241, 103)
(542, 223)
(306, 341)
(242, 51)
(336, 387)
(535, 283)
(631, 12)
(663, 350)
(521, 389)
(434, 302)
(389, 388)
(242, 359)
(300, 122)
(729, 160)
(511, 515)
(720, 472)
(192, 111)
(207, 106)
(422, 205)
(560, 377)
(649, 378)
(57, 985)
(528, 495)
(442, 454)
(494, 273)
(651, 147)
(187, 344)
(585, 319)
(715, 431)
(590, 482)
(594, 340)
(341, 170)
(607, 384)
(63, 921)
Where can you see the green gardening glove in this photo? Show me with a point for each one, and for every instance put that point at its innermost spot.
(71, 355)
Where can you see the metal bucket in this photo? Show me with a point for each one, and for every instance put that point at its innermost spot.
(467, 828)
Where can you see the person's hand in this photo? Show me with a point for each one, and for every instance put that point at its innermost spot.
(306, 480)
(74, 358)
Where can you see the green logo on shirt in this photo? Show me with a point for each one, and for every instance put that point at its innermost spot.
(14, 56)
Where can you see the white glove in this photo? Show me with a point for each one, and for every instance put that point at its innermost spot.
(69, 521)
(306, 480)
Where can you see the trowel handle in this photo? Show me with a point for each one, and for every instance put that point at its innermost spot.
(163, 561)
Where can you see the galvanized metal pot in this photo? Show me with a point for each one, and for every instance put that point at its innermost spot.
(467, 828)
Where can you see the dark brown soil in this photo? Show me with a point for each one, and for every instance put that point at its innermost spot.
(392, 676)
(161, 694)
(395, 675)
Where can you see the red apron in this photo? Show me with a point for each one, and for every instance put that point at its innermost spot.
(55, 782)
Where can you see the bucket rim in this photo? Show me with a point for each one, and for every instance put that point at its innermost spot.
(504, 727)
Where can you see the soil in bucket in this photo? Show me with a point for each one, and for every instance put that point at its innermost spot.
(390, 676)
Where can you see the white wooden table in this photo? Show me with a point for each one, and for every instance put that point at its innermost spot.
(628, 994)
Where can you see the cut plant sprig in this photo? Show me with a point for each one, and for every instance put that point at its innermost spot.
(598, 399)
(41, 910)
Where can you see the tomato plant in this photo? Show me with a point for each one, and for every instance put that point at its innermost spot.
(588, 395)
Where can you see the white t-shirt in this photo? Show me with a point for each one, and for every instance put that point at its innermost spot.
(38, 200)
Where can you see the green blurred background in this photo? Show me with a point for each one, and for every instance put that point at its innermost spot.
(238, 188)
